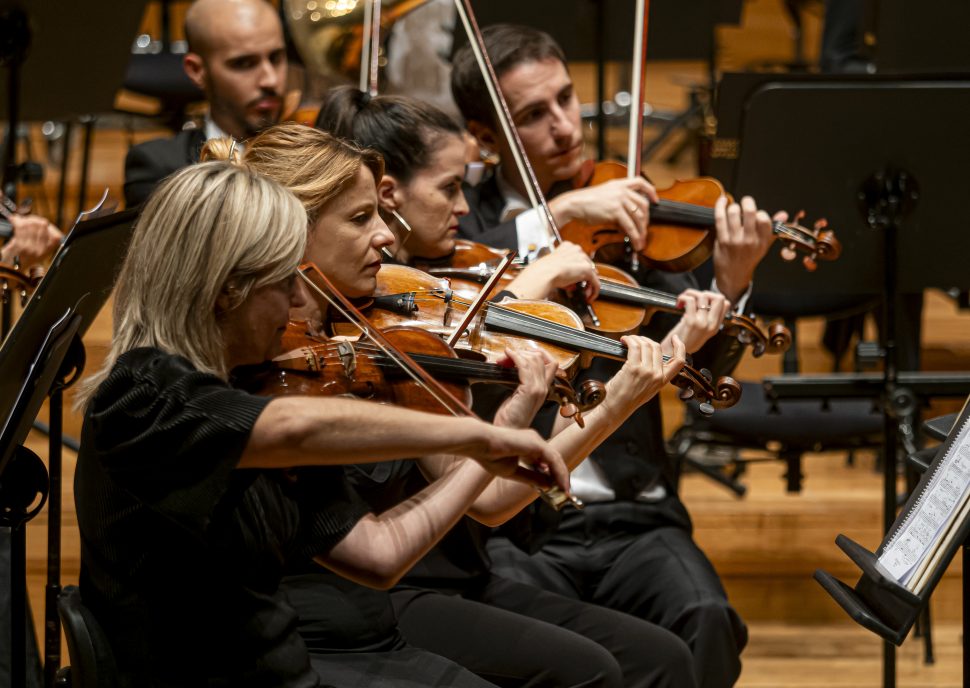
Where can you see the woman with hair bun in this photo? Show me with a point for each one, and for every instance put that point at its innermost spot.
(420, 193)
(450, 603)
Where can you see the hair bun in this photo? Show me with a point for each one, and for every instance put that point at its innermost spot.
(224, 149)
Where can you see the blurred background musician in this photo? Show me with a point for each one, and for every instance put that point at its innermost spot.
(237, 56)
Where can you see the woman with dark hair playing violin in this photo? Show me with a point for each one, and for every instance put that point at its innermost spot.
(185, 518)
(505, 632)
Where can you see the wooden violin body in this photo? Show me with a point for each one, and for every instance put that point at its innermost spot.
(621, 308)
(317, 366)
(414, 298)
(406, 296)
(681, 235)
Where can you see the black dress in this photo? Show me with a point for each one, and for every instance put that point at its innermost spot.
(181, 552)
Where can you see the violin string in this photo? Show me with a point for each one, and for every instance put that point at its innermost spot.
(639, 295)
(586, 340)
(483, 369)
(702, 215)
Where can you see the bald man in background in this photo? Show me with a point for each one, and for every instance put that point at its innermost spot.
(238, 58)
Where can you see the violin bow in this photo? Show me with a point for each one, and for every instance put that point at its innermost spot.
(537, 198)
(370, 47)
(637, 89)
(480, 299)
(319, 284)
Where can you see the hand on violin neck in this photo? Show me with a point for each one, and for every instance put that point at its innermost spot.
(563, 267)
(743, 237)
(500, 450)
(536, 371)
(643, 375)
(624, 202)
(703, 317)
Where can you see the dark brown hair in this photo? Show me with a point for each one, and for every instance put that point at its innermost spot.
(403, 130)
(508, 46)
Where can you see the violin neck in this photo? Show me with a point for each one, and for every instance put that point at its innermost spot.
(637, 296)
(462, 369)
(508, 321)
(680, 213)
(783, 231)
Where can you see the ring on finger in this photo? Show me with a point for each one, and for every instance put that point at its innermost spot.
(634, 209)
(705, 307)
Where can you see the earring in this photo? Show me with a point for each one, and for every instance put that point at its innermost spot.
(404, 223)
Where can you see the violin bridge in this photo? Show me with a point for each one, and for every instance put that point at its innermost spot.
(348, 358)
(449, 308)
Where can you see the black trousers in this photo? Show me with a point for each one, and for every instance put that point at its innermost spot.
(403, 667)
(353, 642)
(640, 559)
(517, 635)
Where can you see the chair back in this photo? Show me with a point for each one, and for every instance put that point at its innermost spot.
(92, 662)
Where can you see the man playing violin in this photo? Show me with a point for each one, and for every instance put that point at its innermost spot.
(631, 548)
(237, 58)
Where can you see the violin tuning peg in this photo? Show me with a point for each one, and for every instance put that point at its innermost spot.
(799, 215)
(810, 263)
(820, 224)
(788, 253)
(706, 409)
(706, 374)
(686, 394)
(568, 410)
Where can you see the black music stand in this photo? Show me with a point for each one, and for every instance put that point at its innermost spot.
(62, 61)
(857, 151)
(877, 601)
(41, 356)
(917, 36)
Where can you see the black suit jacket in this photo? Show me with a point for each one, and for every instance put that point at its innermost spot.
(485, 205)
(149, 163)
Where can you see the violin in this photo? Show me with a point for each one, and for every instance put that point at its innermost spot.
(316, 365)
(406, 296)
(681, 230)
(621, 307)
(443, 397)
(15, 283)
(13, 280)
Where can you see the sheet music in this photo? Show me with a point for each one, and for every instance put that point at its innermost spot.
(943, 497)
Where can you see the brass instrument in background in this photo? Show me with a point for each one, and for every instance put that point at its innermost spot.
(331, 38)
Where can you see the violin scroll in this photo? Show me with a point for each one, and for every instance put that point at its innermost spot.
(15, 282)
(697, 384)
(819, 243)
(591, 394)
(779, 337)
(573, 404)
(728, 392)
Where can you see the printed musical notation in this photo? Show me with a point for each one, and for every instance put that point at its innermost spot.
(932, 516)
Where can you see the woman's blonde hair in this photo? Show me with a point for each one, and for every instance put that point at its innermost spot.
(210, 230)
(314, 165)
